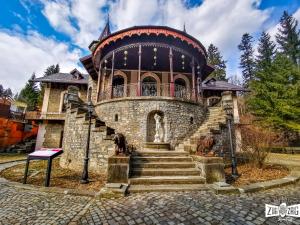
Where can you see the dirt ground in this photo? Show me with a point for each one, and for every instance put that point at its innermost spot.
(7, 157)
(60, 177)
(249, 173)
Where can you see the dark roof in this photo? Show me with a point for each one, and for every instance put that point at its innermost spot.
(155, 27)
(63, 78)
(213, 84)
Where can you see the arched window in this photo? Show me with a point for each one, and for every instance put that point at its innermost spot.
(180, 88)
(118, 86)
(149, 87)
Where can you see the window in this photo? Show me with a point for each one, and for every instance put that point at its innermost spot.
(116, 117)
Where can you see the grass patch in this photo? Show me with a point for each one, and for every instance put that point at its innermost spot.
(251, 174)
(7, 157)
(60, 177)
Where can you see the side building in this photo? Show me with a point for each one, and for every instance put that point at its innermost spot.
(51, 118)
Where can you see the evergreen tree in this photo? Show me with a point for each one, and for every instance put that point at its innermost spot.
(266, 51)
(288, 37)
(215, 58)
(247, 62)
(30, 93)
(1, 90)
(275, 94)
(52, 70)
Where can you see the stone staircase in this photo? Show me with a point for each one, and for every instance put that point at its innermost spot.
(215, 118)
(158, 170)
(26, 146)
(165, 170)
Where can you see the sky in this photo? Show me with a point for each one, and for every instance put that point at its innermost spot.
(37, 33)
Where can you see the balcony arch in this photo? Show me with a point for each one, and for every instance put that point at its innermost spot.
(119, 84)
(150, 84)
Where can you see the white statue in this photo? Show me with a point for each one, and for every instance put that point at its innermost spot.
(158, 128)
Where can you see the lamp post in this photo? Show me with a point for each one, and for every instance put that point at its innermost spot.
(85, 174)
(228, 110)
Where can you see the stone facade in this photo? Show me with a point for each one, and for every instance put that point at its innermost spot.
(131, 117)
(76, 131)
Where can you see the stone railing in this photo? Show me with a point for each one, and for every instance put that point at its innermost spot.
(148, 90)
(35, 115)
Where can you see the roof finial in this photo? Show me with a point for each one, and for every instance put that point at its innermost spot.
(184, 30)
(106, 30)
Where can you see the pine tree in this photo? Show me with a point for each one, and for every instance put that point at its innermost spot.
(266, 51)
(30, 93)
(216, 59)
(247, 62)
(1, 90)
(52, 70)
(288, 37)
(275, 96)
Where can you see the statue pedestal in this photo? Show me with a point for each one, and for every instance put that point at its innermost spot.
(118, 169)
(157, 146)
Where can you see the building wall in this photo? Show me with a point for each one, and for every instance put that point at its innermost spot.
(101, 147)
(50, 131)
(55, 96)
(133, 116)
(53, 134)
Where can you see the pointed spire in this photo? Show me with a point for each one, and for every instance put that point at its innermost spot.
(106, 30)
(184, 30)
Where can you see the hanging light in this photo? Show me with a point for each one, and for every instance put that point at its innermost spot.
(182, 56)
(105, 67)
(125, 57)
(155, 56)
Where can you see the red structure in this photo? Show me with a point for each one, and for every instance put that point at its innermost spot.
(13, 128)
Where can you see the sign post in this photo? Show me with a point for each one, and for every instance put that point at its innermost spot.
(47, 154)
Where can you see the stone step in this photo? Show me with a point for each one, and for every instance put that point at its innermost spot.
(166, 180)
(165, 172)
(167, 188)
(161, 159)
(159, 153)
(138, 165)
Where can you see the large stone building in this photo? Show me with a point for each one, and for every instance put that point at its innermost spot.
(150, 84)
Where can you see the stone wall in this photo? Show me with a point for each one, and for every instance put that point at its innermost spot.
(53, 134)
(130, 117)
(74, 145)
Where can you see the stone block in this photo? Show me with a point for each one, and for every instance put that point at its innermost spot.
(118, 169)
(211, 168)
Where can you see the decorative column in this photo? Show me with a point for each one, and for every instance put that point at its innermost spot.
(139, 72)
(112, 74)
(99, 81)
(193, 78)
(172, 89)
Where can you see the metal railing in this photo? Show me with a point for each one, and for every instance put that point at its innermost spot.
(148, 89)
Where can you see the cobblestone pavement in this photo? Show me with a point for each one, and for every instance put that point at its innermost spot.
(31, 206)
(22, 206)
(191, 208)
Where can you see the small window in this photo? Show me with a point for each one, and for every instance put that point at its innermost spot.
(116, 117)
(191, 120)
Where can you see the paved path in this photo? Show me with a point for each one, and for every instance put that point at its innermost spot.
(19, 205)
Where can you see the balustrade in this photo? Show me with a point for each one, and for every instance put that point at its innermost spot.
(148, 89)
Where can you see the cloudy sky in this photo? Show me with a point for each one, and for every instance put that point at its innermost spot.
(37, 33)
